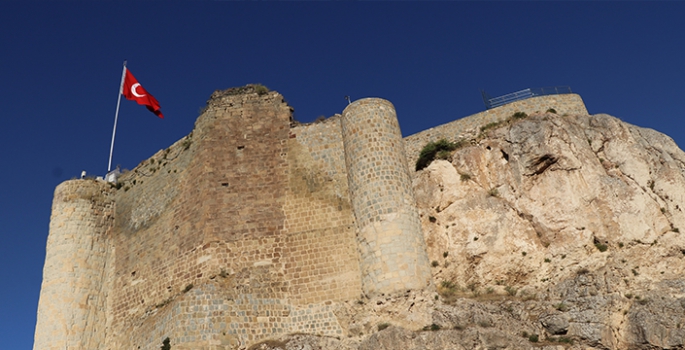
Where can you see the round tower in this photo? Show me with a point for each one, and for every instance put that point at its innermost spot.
(392, 248)
(71, 309)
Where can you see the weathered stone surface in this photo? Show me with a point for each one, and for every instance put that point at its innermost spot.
(550, 231)
(581, 211)
(554, 323)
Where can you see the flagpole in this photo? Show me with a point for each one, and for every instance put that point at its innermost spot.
(116, 116)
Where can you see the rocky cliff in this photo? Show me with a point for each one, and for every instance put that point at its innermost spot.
(546, 231)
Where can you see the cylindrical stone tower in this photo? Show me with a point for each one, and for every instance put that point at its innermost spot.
(71, 310)
(392, 248)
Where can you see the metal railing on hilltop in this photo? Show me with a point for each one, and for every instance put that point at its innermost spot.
(492, 102)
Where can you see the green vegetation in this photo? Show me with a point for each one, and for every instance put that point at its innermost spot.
(447, 285)
(432, 327)
(519, 115)
(441, 149)
(163, 303)
(601, 247)
(260, 89)
(511, 290)
(166, 344)
(249, 88)
(444, 155)
(186, 143)
(383, 326)
(492, 125)
(489, 126)
(448, 291)
(561, 307)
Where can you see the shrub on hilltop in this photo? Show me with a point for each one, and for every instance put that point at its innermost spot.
(442, 149)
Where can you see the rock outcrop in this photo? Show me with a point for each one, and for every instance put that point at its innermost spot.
(547, 232)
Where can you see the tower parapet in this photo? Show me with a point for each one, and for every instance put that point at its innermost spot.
(71, 310)
(391, 244)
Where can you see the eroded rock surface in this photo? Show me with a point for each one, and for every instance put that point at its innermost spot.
(584, 212)
(550, 232)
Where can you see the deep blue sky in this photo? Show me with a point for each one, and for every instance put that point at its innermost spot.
(60, 67)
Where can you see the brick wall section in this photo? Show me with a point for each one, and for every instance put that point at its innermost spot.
(316, 195)
(392, 249)
(322, 260)
(323, 141)
(243, 299)
(322, 265)
(246, 302)
(243, 199)
(72, 306)
(469, 127)
(240, 170)
(227, 184)
(152, 240)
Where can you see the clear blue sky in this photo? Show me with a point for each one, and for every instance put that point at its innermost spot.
(60, 66)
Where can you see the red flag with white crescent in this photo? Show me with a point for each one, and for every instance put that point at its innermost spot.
(132, 90)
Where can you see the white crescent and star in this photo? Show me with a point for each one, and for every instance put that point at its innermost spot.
(133, 90)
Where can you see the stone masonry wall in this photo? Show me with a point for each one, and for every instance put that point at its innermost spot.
(469, 127)
(227, 186)
(245, 229)
(392, 250)
(323, 262)
(72, 306)
(245, 219)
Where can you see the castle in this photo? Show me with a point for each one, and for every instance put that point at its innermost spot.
(250, 227)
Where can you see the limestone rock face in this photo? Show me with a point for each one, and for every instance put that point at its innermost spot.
(549, 232)
(580, 214)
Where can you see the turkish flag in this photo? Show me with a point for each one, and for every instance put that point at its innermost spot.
(132, 90)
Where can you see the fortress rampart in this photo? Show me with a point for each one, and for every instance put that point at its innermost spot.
(246, 229)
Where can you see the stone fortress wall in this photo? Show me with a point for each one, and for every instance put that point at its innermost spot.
(246, 229)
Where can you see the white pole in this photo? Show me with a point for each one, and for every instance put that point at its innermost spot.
(116, 116)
